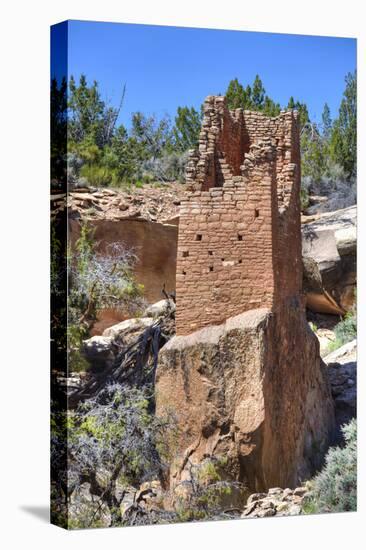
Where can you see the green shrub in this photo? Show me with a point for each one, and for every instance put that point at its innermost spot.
(334, 489)
(97, 280)
(207, 493)
(304, 197)
(313, 327)
(345, 331)
(97, 176)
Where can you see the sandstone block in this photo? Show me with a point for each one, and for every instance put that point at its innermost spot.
(239, 378)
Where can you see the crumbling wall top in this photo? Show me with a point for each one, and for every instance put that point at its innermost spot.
(241, 223)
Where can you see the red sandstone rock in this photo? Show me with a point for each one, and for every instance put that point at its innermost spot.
(253, 390)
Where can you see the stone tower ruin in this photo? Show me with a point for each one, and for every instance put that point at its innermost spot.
(243, 375)
(239, 243)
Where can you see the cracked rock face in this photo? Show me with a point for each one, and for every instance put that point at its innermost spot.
(252, 390)
(342, 373)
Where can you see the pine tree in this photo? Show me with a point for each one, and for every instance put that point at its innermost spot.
(258, 94)
(58, 129)
(187, 128)
(86, 110)
(235, 94)
(344, 134)
(302, 110)
(326, 121)
(270, 108)
(238, 97)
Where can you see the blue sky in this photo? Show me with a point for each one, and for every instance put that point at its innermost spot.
(164, 67)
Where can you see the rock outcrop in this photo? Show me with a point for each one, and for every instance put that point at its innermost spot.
(155, 245)
(342, 373)
(152, 203)
(329, 258)
(277, 502)
(253, 390)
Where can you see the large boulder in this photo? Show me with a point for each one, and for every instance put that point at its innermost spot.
(329, 257)
(99, 351)
(252, 390)
(129, 326)
(159, 309)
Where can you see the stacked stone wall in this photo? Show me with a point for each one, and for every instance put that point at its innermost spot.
(239, 244)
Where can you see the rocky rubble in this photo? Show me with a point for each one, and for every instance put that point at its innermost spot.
(151, 203)
(276, 502)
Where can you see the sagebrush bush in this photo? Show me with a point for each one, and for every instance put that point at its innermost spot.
(345, 331)
(334, 489)
(169, 167)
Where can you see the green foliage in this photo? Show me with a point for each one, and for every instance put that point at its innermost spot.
(58, 129)
(252, 97)
(104, 154)
(345, 331)
(304, 197)
(343, 143)
(270, 108)
(187, 128)
(238, 97)
(324, 152)
(101, 153)
(334, 489)
(258, 93)
(302, 110)
(98, 176)
(205, 492)
(326, 121)
(112, 443)
(313, 326)
(89, 116)
(315, 152)
(97, 280)
(151, 135)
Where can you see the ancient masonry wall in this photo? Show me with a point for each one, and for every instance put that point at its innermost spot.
(239, 244)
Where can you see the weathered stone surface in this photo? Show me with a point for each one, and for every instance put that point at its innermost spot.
(329, 257)
(99, 351)
(130, 325)
(252, 390)
(273, 503)
(342, 373)
(159, 308)
(240, 229)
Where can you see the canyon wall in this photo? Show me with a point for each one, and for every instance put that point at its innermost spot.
(155, 245)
